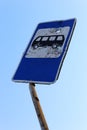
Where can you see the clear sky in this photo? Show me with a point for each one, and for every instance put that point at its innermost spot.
(65, 102)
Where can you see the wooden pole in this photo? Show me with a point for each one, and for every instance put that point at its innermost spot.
(38, 108)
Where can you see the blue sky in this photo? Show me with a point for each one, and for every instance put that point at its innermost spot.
(65, 102)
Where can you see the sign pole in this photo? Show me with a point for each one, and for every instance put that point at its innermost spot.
(38, 108)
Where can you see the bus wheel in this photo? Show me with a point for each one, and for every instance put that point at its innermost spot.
(54, 46)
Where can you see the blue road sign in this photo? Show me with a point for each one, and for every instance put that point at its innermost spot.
(43, 58)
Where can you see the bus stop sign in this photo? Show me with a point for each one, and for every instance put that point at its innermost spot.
(44, 55)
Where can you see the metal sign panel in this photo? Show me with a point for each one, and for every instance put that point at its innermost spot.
(43, 58)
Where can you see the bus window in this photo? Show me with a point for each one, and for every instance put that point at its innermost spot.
(52, 38)
(44, 38)
(38, 39)
(60, 38)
